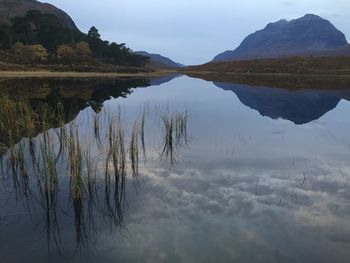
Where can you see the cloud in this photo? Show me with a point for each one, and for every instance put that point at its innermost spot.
(200, 214)
(288, 3)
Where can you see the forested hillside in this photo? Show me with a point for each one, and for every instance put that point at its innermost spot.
(38, 38)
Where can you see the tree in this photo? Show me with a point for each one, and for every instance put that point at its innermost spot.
(29, 54)
(65, 53)
(5, 36)
(36, 28)
(83, 49)
(93, 33)
(39, 28)
(38, 53)
(72, 54)
(19, 53)
(22, 30)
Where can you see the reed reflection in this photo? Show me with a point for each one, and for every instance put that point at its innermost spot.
(81, 169)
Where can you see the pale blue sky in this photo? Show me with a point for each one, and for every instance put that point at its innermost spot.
(193, 31)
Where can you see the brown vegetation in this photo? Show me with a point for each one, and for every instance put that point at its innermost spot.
(294, 65)
(77, 58)
(286, 81)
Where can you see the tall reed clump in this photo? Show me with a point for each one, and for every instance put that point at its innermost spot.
(134, 150)
(142, 132)
(181, 120)
(17, 119)
(61, 131)
(97, 128)
(77, 186)
(116, 166)
(32, 161)
(168, 142)
(40, 147)
(75, 163)
(175, 134)
(48, 185)
(17, 165)
(92, 191)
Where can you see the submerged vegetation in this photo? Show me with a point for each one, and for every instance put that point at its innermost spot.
(98, 162)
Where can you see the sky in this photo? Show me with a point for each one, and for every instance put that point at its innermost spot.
(193, 31)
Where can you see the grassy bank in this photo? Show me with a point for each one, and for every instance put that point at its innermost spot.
(293, 65)
(72, 74)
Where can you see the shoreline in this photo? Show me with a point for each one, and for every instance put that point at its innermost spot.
(291, 81)
(73, 74)
(263, 74)
(158, 73)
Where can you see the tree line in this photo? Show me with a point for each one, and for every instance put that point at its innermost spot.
(41, 38)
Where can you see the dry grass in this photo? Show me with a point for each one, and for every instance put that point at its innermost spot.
(293, 65)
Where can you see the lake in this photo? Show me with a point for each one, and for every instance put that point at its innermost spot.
(174, 169)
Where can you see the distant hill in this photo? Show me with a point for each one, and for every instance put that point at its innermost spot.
(308, 35)
(159, 61)
(19, 8)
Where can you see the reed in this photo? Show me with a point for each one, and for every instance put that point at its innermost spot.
(181, 128)
(134, 150)
(75, 162)
(96, 128)
(142, 133)
(39, 148)
(175, 135)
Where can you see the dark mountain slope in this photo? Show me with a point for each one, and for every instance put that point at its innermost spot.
(307, 35)
(19, 8)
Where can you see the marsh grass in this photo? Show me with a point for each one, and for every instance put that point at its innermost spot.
(96, 127)
(92, 189)
(174, 135)
(181, 120)
(134, 150)
(40, 149)
(142, 131)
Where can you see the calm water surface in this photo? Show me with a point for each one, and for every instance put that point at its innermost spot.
(263, 175)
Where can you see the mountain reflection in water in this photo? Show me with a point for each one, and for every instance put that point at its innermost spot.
(298, 106)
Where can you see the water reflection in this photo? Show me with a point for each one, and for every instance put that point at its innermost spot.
(65, 168)
(300, 99)
(248, 189)
(73, 96)
(298, 106)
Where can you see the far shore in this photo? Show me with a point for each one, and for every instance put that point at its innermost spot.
(157, 73)
(264, 74)
(72, 74)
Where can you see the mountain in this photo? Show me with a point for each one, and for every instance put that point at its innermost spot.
(307, 35)
(19, 8)
(159, 61)
(34, 23)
